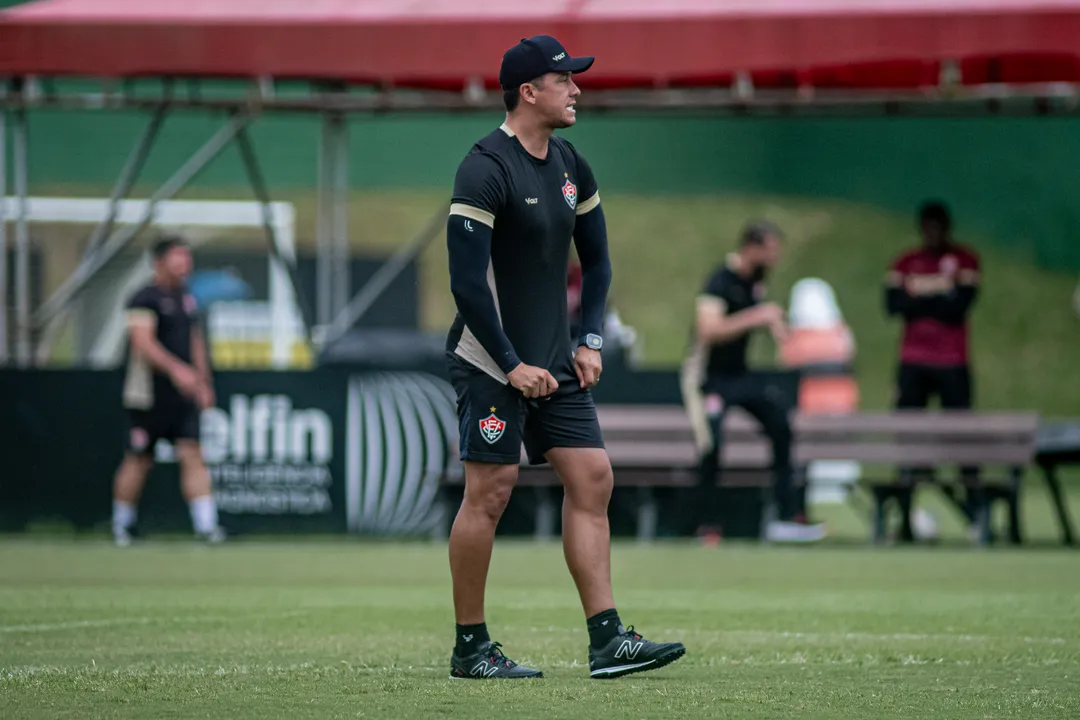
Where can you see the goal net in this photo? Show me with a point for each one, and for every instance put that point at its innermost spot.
(252, 318)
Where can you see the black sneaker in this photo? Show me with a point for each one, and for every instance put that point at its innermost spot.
(489, 663)
(629, 653)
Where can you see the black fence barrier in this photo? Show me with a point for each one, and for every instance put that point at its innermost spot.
(345, 448)
(274, 446)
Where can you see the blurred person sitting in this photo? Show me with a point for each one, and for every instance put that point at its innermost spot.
(715, 377)
(932, 289)
(166, 384)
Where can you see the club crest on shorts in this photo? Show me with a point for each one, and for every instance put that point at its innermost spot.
(569, 192)
(714, 404)
(491, 427)
(139, 439)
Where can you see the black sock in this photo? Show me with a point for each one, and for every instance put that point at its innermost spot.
(603, 626)
(470, 638)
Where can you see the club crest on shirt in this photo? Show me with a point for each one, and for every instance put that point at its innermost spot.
(491, 427)
(569, 192)
(189, 304)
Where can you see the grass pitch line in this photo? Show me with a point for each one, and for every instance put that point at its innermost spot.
(831, 637)
(163, 620)
(73, 625)
(917, 637)
(346, 669)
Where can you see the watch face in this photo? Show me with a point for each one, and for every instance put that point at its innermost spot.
(594, 341)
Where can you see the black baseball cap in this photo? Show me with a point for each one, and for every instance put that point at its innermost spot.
(535, 56)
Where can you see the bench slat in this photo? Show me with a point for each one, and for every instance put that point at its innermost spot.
(899, 427)
(658, 438)
(541, 476)
(648, 454)
(944, 422)
(915, 453)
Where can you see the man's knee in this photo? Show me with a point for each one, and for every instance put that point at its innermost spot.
(488, 487)
(586, 476)
(139, 462)
(599, 480)
(189, 452)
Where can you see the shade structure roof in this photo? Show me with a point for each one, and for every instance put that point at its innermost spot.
(448, 44)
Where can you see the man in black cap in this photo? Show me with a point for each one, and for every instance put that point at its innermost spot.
(520, 195)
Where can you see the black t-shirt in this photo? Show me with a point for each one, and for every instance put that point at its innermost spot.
(736, 293)
(173, 314)
(533, 205)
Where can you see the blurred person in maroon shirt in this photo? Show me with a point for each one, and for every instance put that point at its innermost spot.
(932, 288)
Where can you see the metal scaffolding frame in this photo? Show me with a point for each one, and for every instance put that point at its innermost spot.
(335, 313)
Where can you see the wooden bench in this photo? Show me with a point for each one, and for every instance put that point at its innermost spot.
(1005, 441)
(1059, 444)
(652, 446)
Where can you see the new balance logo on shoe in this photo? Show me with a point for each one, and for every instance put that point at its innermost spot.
(484, 668)
(630, 653)
(486, 663)
(629, 649)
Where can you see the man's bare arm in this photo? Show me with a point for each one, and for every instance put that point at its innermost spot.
(715, 326)
(145, 344)
(199, 357)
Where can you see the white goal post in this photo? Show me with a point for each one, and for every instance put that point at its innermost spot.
(283, 308)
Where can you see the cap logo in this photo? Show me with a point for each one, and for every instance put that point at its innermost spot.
(558, 57)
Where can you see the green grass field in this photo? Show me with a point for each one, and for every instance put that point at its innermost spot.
(329, 629)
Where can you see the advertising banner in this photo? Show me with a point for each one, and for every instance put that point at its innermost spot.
(319, 451)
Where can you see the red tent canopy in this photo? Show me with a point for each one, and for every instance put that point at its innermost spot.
(648, 43)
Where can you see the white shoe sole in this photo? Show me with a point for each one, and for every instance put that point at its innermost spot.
(621, 669)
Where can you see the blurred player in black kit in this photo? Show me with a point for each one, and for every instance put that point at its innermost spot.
(519, 196)
(716, 377)
(166, 385)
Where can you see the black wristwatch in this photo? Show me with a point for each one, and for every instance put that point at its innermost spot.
(591, 341)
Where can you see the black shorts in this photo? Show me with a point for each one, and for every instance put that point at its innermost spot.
(177, 421)
(495, 419)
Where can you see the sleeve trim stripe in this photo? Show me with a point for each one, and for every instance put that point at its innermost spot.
(473, 213)
(713, 303)
(589, 204)
(967, 277)
(141, 316)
